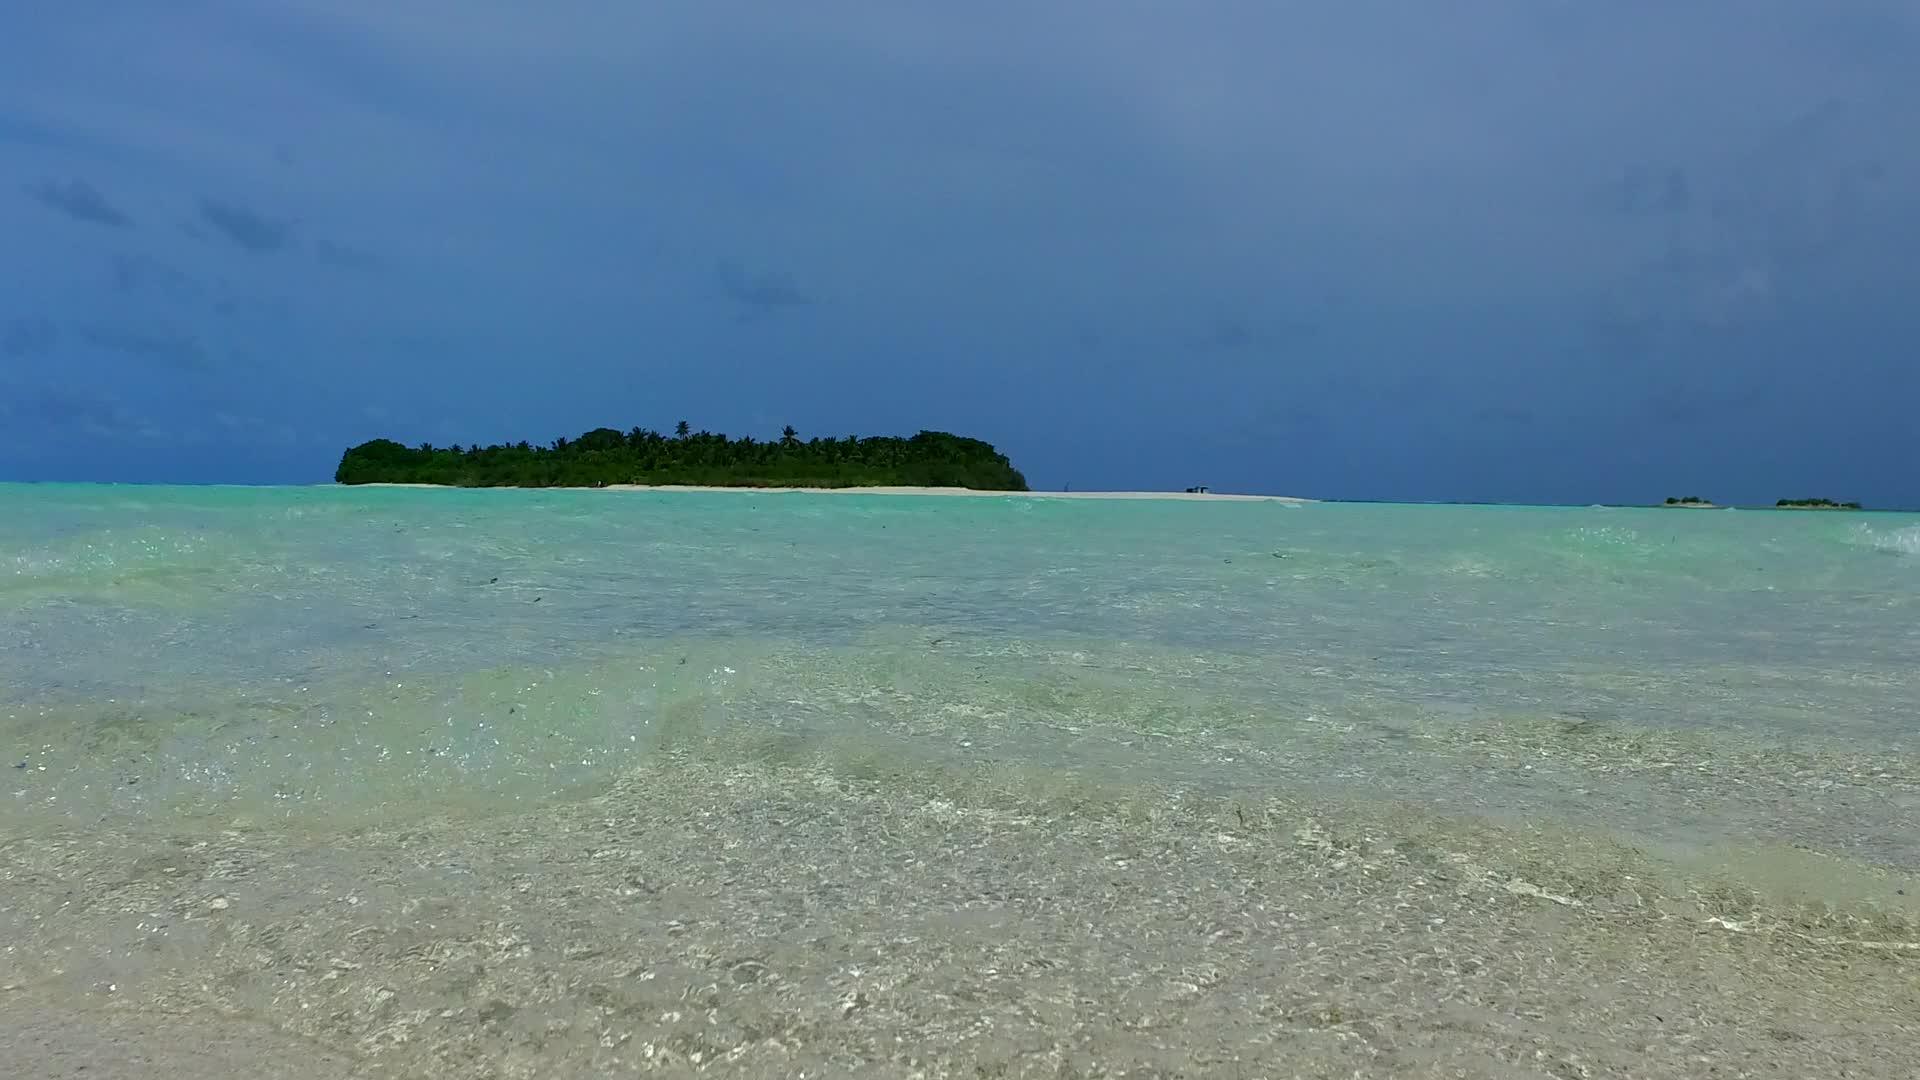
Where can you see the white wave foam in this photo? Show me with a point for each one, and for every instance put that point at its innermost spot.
(1891, 541)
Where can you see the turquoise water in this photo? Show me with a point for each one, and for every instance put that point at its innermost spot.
(330, 783)
(319, 652)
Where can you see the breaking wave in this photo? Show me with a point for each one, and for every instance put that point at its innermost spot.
(1890, 541)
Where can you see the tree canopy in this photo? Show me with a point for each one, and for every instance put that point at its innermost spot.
(1815, 504)
(605, 456)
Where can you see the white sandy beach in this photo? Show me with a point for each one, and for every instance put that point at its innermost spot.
(1179, 496)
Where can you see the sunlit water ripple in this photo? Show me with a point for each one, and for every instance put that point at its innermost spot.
(319, 652)
(451, 782)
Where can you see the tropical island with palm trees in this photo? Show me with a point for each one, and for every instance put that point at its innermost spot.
(1815, 504)
(1698, 503)
(605, 457)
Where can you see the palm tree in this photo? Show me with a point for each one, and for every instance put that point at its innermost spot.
(788, 436)
(681, 429)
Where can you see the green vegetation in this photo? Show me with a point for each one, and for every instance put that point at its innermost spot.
(1815, 504)
(605, 456)
(1688, 500)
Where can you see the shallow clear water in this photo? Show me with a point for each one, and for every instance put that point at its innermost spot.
(264, 675)
(313, 651)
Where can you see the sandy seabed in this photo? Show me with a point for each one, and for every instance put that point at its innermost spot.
(739, 915)
(918, 857)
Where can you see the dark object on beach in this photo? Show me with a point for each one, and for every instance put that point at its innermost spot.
(1198, 489)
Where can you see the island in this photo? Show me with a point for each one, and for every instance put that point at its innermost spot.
(1693, 501)
(605, 457)
(1815, 504)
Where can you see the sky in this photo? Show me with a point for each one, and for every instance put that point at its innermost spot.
(1534, 251)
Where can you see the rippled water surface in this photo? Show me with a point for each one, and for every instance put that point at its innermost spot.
(1732, 692)
(267, 649)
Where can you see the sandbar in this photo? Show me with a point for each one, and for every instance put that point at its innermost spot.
(1177, 496)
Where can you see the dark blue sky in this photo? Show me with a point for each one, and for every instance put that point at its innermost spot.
(1542, 251)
